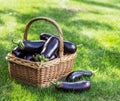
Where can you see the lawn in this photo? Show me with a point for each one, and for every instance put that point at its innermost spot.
(91, 24)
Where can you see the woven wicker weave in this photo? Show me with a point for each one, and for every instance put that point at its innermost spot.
(31, 72)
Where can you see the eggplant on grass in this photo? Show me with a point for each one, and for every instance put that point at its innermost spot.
(73, 86)
(69, 47)
(77, 75)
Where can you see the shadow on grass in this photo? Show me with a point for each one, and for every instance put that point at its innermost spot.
(5, 82)
(4, 74)
(61, 15)
(89, 24)
(1, 22)
(107, 5)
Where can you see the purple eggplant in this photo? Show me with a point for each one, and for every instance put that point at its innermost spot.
(50, 47)
(73, 86)
(31, 46)
(69, 47)
(77, 75)
(29, 57)
(18, 52)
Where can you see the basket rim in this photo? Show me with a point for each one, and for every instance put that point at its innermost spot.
(36, 65)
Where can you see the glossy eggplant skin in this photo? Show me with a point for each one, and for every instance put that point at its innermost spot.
(74, 86)
(50, 47)
(18, 52)
(75, 75)
(69, 47)
(33, 46)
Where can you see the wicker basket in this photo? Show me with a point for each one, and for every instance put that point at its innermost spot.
(31, 72)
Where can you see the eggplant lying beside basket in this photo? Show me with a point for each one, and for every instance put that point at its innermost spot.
(73, 86)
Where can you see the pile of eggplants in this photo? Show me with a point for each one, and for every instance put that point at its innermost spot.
(69, 47)
(47, 47)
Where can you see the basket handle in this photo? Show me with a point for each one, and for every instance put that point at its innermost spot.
(61, 49)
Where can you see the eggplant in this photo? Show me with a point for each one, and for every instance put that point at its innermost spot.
(31, 46)
(75, 75)
(18, 52)
(50, 47)
(69, 47)
(73, 86)
(29, 57)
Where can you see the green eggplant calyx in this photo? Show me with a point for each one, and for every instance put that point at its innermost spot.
(53, 82)
(20, 44)
(43, 58)
(36, 57)
(40, 58)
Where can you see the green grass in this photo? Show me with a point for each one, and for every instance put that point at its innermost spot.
(91, 24)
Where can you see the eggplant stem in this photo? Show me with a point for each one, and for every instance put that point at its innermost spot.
(14, 42)
(40, 58)
(20, 44)
(54, 83)
(79, 45)
(41, 63)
